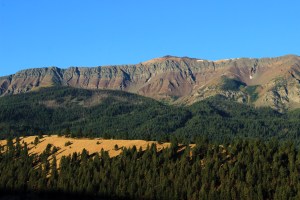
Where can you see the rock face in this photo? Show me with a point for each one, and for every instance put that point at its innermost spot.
(263, 82)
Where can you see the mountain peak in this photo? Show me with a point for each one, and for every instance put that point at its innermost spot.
(169, 57)
(269, 81)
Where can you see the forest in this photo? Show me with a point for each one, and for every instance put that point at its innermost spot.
(241, 152)
(242, 169)
(120, 115)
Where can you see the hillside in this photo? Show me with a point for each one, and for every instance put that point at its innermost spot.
(121, 115)
(262, 82)
(241, 169)
(68, 146)
(108, 114)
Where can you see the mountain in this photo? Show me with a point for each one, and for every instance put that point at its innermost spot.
(181, 80)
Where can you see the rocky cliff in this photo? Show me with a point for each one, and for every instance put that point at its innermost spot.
(263, 82)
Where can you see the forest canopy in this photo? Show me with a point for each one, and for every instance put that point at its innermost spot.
(117, 114)
(243, 169)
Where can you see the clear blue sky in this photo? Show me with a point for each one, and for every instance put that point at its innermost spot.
(63, 33)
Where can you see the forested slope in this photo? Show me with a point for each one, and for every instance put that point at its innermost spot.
(94, 113)
(243, 169)
(116, 114)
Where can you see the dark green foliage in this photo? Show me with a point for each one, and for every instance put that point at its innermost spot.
(253, 94)
(231, 84)
(127, 116)
(117, 115)
(36, 140)
(243, 169)
(54, 149)
(68, 143)
(222, 120)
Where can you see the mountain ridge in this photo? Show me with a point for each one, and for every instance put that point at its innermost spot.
(183, 80)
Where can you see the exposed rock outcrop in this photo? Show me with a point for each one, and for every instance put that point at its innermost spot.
(175, 79)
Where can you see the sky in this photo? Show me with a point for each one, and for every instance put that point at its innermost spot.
(64, 33)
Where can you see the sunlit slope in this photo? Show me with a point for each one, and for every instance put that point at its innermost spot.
(270, 82)
(67, 146)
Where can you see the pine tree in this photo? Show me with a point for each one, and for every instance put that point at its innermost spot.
(53, 173)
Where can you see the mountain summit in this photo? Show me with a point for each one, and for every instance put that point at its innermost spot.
(262, 82)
